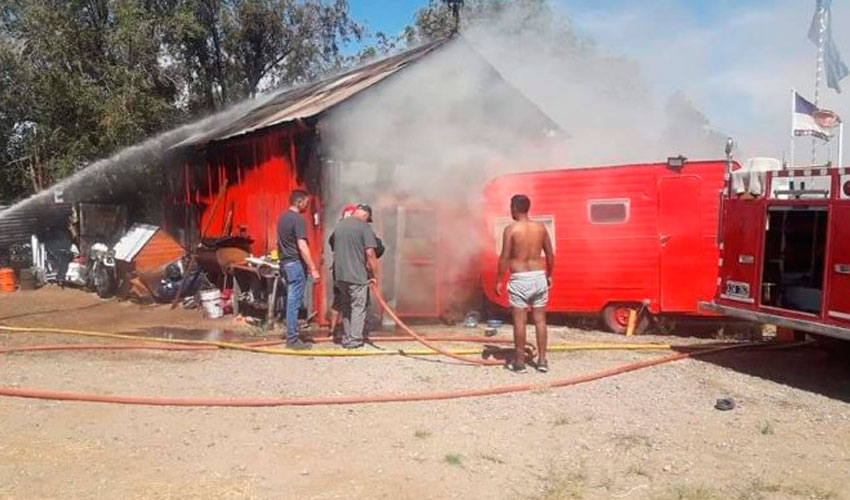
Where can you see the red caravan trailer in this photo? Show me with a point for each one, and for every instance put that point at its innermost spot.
(786, 251)
(626, 237)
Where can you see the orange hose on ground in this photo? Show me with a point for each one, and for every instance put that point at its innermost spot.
(344, 400)
(106, 347)
(433, 338)
(422, 340)
(153, 345)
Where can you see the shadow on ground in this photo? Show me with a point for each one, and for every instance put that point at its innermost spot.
(814, 368)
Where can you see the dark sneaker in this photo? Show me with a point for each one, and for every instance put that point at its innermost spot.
(516, 367)
(542, 366)
(352, 345)
(298, 345)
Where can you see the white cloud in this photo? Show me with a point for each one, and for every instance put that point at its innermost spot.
(738, 66)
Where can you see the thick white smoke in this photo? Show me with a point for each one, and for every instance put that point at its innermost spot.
(497, 100)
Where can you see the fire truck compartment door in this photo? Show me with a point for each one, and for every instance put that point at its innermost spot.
(679, 238)
(743, 232)
(839, 266)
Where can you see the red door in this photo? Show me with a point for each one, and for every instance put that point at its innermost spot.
(838, 272)
(743, 232)
(679, 236)
(417, 264)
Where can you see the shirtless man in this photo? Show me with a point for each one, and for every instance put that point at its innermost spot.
(531, 277)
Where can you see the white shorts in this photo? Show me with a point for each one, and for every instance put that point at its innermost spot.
(529, 289)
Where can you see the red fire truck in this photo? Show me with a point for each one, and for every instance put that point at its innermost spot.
(629, 237)
(785, 249)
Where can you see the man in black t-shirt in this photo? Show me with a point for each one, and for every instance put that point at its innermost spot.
(355, 267)
(294, 255)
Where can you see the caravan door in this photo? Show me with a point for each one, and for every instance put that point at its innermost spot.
(679, 237)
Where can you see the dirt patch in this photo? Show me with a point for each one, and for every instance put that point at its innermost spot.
(652, 434)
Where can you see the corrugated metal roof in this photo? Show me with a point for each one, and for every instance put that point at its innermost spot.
(312, 99)
(16, 226)
(133, 241)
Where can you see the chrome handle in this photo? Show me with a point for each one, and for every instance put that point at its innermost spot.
(842, 268)
(746, 259)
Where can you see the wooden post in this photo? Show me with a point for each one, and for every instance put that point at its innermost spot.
(630, 329)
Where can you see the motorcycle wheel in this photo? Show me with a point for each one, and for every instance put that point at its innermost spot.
(104, 283)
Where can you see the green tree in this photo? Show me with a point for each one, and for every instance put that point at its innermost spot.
(232, 49)
(81, 79)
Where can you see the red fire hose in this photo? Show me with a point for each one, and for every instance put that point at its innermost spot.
(357, 399)
(333, 400)
(422, 340)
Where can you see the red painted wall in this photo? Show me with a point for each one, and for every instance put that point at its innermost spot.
(261, 173)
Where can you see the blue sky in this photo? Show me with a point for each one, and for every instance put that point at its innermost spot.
(735, 59)
(391, 16)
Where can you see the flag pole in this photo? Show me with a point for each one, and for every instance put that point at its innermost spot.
(841, 145)
(819, 66)
(790, 163)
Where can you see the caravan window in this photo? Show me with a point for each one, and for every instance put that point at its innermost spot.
(608, 211)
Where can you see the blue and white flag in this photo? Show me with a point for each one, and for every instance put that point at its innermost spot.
(821, 26)
(809, 120)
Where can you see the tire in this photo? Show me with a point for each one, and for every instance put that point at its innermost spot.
(104, 282)
(615, 317)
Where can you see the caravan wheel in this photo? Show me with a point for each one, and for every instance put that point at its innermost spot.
(616, 318)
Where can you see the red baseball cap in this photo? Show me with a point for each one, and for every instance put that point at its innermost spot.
(348, 210)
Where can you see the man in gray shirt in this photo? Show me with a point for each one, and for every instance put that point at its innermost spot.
(355, 267)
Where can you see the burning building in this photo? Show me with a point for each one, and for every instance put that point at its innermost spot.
(416, 135)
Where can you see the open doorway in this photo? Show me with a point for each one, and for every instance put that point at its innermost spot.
(794, 258)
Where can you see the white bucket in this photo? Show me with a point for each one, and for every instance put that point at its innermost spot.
(211, 304)
(76, 273)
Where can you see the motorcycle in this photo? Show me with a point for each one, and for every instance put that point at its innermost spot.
(100, 271)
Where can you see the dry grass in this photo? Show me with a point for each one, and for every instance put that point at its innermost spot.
(214, 486)
(688, 492)
(756, 490)
(810, 492)
(47, 453)
(563, 486)
(492, 458)
(638, 470)
(630, 441)
(562, 420)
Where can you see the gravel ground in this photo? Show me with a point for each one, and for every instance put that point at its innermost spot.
(651, 434)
